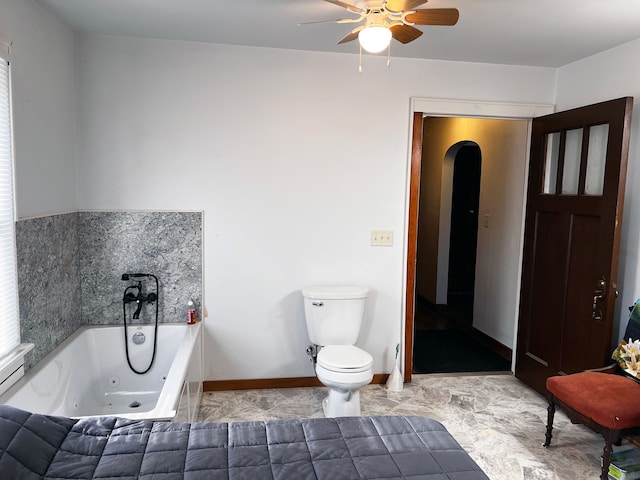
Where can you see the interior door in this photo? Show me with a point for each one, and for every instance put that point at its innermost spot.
(573, 220)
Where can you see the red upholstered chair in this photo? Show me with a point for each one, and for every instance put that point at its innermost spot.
(603, 401)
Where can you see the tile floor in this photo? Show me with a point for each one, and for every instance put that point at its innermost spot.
(496, 418)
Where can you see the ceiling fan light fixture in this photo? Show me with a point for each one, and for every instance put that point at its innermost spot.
(375, 38)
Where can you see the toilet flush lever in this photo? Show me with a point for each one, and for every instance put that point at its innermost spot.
(317, 304)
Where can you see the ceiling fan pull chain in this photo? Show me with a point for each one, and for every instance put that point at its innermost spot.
(360, 65)
(389, 55)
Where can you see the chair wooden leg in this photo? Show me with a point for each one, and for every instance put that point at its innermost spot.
(551, 410)
(606, 459)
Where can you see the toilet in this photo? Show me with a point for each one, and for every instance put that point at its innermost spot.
(334, 316)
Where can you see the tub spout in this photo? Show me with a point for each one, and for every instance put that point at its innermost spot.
(140, 299)
(136, 314)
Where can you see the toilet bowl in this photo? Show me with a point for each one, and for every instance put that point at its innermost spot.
(344, 370)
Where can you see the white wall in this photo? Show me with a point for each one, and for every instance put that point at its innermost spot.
(42, 95)
(293, 156)
(608, 75)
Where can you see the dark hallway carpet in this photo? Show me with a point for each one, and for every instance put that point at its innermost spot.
(446, 351)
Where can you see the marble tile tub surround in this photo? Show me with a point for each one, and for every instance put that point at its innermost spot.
(70, 267)
(496, 418)
(165, 244)
(48, 282)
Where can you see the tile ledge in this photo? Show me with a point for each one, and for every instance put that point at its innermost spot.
(12, 366)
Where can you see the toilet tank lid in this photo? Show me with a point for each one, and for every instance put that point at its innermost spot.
(333, 292)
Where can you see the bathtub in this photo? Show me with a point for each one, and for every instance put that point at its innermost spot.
(88, 375)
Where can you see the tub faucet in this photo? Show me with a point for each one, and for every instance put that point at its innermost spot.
(136, 314)
(141, 299)
(138, 297)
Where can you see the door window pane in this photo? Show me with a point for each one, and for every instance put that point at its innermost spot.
(551, 163)
(571, 170)
(596, 159)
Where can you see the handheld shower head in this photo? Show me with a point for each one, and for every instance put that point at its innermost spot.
(135, 277)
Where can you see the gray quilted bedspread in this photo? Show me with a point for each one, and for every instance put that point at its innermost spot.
(36, 446)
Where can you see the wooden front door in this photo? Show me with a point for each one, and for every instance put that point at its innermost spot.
(573, 220)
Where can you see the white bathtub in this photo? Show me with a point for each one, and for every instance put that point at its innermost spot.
(88, 375)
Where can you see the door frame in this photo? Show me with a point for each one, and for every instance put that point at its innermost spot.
(437, 107)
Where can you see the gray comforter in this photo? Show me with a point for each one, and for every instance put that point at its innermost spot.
(36, 446)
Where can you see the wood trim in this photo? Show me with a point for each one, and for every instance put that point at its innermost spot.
(262, 383)
(496, 346)
(479, 109)
(412, 242)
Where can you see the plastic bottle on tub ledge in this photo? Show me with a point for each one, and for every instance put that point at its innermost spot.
(192, 316)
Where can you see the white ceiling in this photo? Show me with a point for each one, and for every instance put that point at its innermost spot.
(523, 32)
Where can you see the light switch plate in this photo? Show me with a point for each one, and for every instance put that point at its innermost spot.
(382, 238)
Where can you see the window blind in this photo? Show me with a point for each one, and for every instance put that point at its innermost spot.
(9, 322)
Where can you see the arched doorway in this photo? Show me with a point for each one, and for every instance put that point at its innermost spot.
(463, 238)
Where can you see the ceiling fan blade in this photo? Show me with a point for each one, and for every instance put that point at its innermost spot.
(339, 20)
(434, 16)
(348, 6)
(405, 33)
(403, 5)
(351, 36)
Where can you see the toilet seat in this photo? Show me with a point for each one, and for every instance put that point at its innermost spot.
(344, 359)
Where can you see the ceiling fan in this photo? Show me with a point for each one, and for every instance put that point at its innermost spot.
(386, 19)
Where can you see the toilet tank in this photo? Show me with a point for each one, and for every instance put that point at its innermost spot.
(334, 313)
